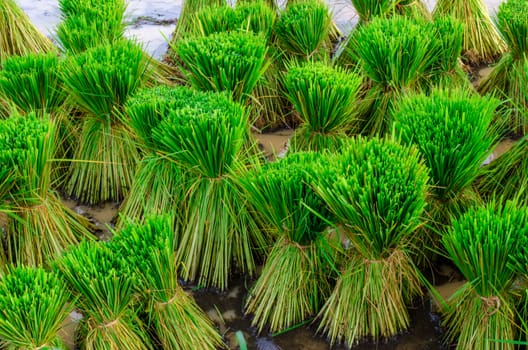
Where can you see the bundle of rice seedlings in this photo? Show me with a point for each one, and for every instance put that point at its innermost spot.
(217, 229)
(104, 286)
(395, 54)
(377, 191)
(507, 77)
(452, 130)
(39, 227)
(185, 24)
(367, 10)
(99, 81)
(412, 8)
(18, 35)
(33, 307)
(481, 243)
(294, 282)
(446, 71)
(178, 322)
(325, 98)
(482, 43)
(226, 61)
(303, 30)
(507, 176)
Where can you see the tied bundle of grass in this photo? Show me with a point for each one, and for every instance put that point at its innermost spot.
(18, 35)
(178, 322)
(370, 9)
(482, 43)
(481, 243)
(232, 61)
(452, 130)
(295, 278)
(104, 286)
(185, 24)
(325, 98)
(303, 30)
(217, 229)
(377, 191)
(33, 307)
(395, 54)
(507, 176)
(39, 227)
(507, 79)
(446, 71)
(99, 81)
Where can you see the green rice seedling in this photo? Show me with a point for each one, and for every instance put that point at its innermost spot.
(452, 130)
(33, 306)
(446, 71)
(377, 191)
(507, 175)
(258, 16)
(178, 322)
(482, 43)
(217, 229)
(507, 79)
(185, 24)
(18, 35)
(104, 285)
(481, 243)
(99, 82)
(395, 54)
(114, 9)
(367, 10)
(232, 62)
(303, 30)
(38, 226)
(215, 19)
(412, 8)
(325, 98)
(294, 282)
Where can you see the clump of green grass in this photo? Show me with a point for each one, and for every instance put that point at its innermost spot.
(103, 284)
(453, 131)
(18, 35)
(325, 98)
(177, 321)
(377, 191)
(482, 43)
(185, 24)
(395, 54)
(481, 243)
(99, 82)
(232, 62)
(38, 226)
(370, 9)
(294, 282)
(33, 307)
(208, 144)
(507, 78)
(303, 30)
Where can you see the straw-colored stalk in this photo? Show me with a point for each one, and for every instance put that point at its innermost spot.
(104, 286)
(33, 307)
(481, 243)
(377, 191)
(172, 314)
(482, 43)
(18, 35)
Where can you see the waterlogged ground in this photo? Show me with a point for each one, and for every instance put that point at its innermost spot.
(151, 22)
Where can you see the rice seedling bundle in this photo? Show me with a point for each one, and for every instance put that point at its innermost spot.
(217, 229)
(395, 54)
(303, 30)
(482, 42)
(187, 17)
(481, 243)
(33, 307)
(507, 175)
(377, 191)
(39, 227)
(99, 82)
(232, 62)
(325, 98)
(178, 322)
(104, 285)
(507, 79)
(452, 130)
(18, 35)
(294, 282)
